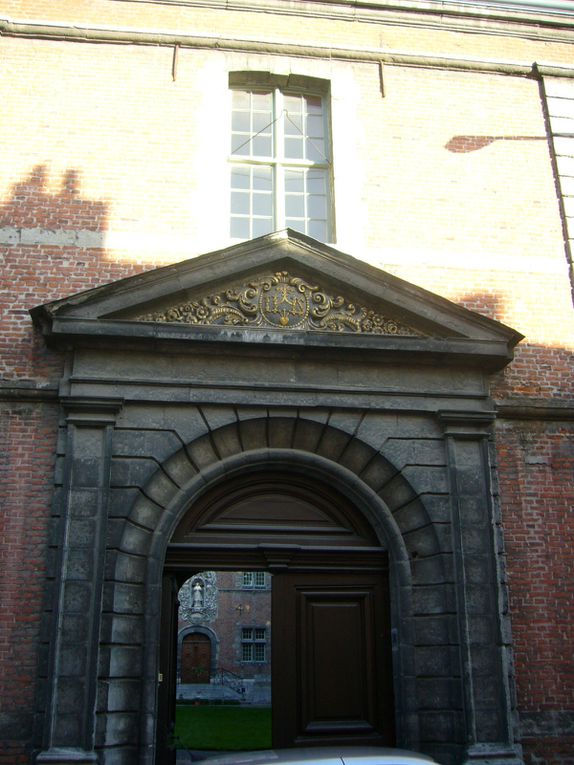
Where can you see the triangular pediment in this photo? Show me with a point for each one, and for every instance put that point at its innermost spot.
(283, 288)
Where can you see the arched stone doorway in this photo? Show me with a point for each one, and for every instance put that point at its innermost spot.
(395, 417)
(331, 635)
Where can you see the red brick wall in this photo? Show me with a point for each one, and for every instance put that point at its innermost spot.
(536, 469)
(26, 478)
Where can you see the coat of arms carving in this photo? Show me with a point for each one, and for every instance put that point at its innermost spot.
(281, 301)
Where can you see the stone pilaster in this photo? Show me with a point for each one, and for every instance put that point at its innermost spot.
(70, 724)
(486, 694)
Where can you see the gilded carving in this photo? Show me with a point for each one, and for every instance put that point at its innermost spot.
(283, 302)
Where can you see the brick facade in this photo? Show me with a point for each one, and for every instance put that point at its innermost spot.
(445, 175)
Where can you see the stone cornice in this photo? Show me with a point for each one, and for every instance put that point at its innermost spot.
(48, 30)
(26, 392)
(535, 409)
(450, 14)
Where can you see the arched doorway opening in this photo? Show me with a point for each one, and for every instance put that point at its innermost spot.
(330, 635)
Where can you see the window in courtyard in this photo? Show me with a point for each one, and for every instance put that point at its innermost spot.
(254, 580)
(280, 160)
(253, 644)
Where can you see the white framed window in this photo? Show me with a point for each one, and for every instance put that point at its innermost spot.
(253, 644)
(253, 580)
(280, 157)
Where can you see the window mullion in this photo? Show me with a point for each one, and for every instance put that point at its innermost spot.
(279, 179)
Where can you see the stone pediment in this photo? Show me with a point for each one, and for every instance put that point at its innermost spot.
(281, 289)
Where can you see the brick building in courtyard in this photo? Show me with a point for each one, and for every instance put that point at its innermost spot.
(287, 290)
(224, 637)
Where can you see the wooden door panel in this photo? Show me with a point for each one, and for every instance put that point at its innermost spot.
(195, 659)
(336, 662)
(331, 659)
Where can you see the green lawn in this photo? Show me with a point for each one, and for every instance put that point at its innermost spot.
(230, 728)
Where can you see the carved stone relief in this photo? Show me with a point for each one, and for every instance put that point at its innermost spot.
(198, 598)
(281, 301)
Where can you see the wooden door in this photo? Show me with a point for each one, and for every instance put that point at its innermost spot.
(195, 658)
(331, 660)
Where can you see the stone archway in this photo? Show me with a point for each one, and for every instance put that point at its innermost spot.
(372, 471)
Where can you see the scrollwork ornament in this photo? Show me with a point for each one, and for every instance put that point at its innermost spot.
(281, 301)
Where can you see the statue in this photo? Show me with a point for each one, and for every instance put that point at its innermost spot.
(197, 596)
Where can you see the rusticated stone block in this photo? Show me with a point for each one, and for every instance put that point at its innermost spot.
(356, 456)
(280, 432)
(307, 434)
(202, 453)
(226, 440)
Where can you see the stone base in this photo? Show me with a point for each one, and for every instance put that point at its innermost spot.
(66, 756)
(494, 754)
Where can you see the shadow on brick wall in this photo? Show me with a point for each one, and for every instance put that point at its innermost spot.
(539, 371)
(53, 244)
(31, 206)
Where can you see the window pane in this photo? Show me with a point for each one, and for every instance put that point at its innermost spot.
(316, 181)
(263, 204)
(292, 104)
(240, 122)
(261, 146)
(262, 226)
(294, 180)
(239, 228)
(240, 202)
(314, 104)
(262, 101)
(295, 224)
(259, 633)
(262, 179)
(315, 127)
(240, 178)
(240, 145)
(294, 206)
(246, 652)
(259, 652)
(241, 99)
(260, 579)
(293, 124)
(318, 230)
(293, 147)
(315, 148)
(262, 122)
(317, 207)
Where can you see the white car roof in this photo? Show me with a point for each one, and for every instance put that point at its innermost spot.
(360, 755)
